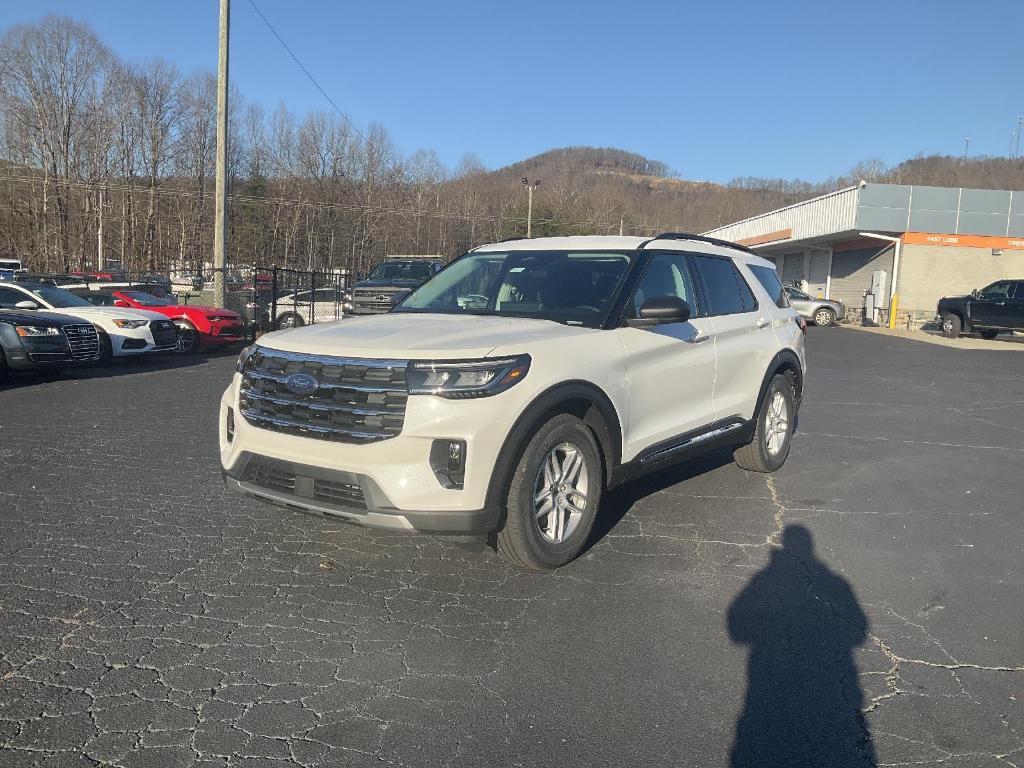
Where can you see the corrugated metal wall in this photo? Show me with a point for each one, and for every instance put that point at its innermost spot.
(834, 212)
(929, 272)
(851, 273)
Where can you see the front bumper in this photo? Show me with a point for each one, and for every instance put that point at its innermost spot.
(126, 342)
(316, 489)
(397, 485)
(40, 352)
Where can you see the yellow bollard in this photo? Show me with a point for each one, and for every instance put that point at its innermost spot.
(894, 306)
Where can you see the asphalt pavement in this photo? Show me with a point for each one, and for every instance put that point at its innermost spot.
(861, 606)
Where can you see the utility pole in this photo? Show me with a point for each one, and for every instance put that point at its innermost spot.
(1020, 126)
(99, 235)
(967, 145)
(220, 223)
(622, 223)
(529, 204)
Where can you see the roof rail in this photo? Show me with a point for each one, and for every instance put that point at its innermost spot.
(701, 239)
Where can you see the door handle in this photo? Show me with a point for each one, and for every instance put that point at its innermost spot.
(698, 337)
(762, 323)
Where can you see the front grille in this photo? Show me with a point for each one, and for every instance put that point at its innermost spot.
(84, 341)
(355, 400)
(164, 333)
(341, 494)
(286, 481)
(373, 300)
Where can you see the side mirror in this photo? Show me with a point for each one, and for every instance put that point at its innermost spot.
(666, 309)
(26, 305)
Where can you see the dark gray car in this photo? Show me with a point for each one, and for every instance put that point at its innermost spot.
(823, 312)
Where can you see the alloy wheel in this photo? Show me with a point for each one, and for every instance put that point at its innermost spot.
(776, 424)
(560, 492)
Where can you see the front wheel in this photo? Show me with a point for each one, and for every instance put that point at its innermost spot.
(553, 496)
(824, 317)
(989, 334)
(188, 338)
(773, 433)
(951, 326)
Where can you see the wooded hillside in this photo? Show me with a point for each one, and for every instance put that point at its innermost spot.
(91, 144)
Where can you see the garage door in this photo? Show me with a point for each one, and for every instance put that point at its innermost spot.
(851, 273)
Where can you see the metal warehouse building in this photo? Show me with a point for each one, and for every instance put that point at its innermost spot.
(928, 241)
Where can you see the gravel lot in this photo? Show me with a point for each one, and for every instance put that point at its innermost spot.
(149, 618)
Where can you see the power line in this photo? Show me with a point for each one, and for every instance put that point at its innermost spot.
(307, 72)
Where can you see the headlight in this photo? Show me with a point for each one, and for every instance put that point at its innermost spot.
(123, 323)
(244, 355)
(36, 330)
(467, 378)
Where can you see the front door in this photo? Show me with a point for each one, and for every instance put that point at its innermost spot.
(992, 307)
(670, 367)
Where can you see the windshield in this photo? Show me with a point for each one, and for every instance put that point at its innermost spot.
(147, 299)
(571, 288)
(796, 293)
(400, 270)
(58, 298)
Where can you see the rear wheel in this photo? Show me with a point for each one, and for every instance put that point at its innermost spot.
(989, 334)
(188, 337)
(4, 368)
(773, 433)
(951, 326)
(291, 320)
(824, 317)
(553, 496)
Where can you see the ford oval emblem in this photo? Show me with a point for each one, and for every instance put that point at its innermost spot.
(301, 383)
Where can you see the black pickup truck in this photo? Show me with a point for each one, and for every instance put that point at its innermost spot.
(45, 341)
(989, 311)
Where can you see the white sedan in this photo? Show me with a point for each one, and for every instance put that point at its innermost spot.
(123, 332)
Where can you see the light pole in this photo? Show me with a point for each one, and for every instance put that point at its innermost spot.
(529, 204)
(967, 145)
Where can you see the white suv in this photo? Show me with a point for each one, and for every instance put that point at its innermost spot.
(508, 392)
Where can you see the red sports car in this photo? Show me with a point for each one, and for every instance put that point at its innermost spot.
(197, 326)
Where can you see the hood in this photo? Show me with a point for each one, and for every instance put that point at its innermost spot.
(415, 336)
(965, 297)
(207, 311)
(21, 317)
(99, 314)
(388, 283)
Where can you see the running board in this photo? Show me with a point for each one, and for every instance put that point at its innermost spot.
(663, 453)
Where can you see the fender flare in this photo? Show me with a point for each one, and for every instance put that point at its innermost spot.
(784, 360)
(599, 414)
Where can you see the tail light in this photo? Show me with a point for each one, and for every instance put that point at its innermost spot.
(802, 324)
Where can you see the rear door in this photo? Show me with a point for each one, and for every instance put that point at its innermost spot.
(670, 367)
(1016, 308)
(744, 339)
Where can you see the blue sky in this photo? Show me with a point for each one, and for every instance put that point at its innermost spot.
(714, 89)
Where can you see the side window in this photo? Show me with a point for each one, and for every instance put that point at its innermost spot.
(666, 275)
(1000, 290)
(728, 293)
(1020, 290)
(9, 297)
(769, 280)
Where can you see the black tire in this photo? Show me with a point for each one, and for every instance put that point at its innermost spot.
(989, 334)
(756, 456)
(952, 326)
(824, 317)
(188, 338)
(521, 540)
(106, 349)
(290, 320)
(5, 370)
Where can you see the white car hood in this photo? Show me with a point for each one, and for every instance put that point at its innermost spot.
(105, 315)
(414, 336)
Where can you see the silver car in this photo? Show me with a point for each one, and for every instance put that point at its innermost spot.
(823, 312)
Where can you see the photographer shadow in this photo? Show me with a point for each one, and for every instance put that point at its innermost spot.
(804, 703)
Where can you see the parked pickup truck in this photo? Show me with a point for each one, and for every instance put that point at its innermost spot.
(989, 311)
(391, 281)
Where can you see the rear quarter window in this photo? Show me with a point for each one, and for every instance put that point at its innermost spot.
(769, 280)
